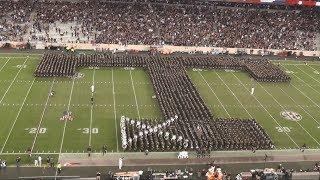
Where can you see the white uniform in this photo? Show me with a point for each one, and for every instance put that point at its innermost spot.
(36, 163)
(252, 91)
(40, 160)
(120, 163)
(92, 88)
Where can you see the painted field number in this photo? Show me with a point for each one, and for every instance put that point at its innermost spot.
(34, 130)
(283, 129)
(87, 130)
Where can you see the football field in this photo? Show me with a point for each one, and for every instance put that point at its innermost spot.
(30, 118)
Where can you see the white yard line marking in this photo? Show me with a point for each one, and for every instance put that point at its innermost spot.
(15, 120)
(214, 94)
(285, 109)
(302, 91)
(234, 95)
(299, 105)
(308, 74)
(267, 111)
(4, 64)
(13, 80)
(115, 111)
(135, 97)
(65, 124)
(91, 109)
(42, 115)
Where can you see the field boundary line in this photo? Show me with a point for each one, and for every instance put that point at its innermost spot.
(42, 115)
(214, 94)
(267, 112)
(17, 116)
(285, 109)
(114, 110)
(234, 95)
(5, 64)
(91, 108)
(13, 80)
(134, 93)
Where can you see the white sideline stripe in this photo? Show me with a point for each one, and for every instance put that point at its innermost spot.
(115, 111)
(267, 112)
(4, 64)
(42, 115)
(13, 80)
(214, 94)
(300, 106)
(285, 109)
(15, 120)
(91, 109)
(134, 93)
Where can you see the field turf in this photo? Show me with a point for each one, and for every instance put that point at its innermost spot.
(25, 105)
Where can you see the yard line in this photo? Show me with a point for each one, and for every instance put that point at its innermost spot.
(306, 83)
(4, 64)
(299, 106)
(25, 98)
(65, 124)
(303, 92)
(13, 80)
(114, 110)
(42, 115)
(267, 112)
(285, 109)
(310, 66)
(135, 97)
(214, 94)
(234, 95)
(91, 109)
(308, 74)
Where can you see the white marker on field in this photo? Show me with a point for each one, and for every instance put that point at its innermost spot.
(252, 90)
(92, 88)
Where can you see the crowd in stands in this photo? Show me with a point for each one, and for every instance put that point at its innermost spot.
(15, 19)
(158, 22)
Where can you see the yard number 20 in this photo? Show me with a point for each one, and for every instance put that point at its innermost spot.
(283, 129)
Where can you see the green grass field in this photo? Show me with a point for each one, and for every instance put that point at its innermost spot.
(25, 105)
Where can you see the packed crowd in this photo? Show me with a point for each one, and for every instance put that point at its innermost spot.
(15, 17)
(160, 22)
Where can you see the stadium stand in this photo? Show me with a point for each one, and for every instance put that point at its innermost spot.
(213, 24)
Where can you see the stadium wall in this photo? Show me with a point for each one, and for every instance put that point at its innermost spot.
(165, 49)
